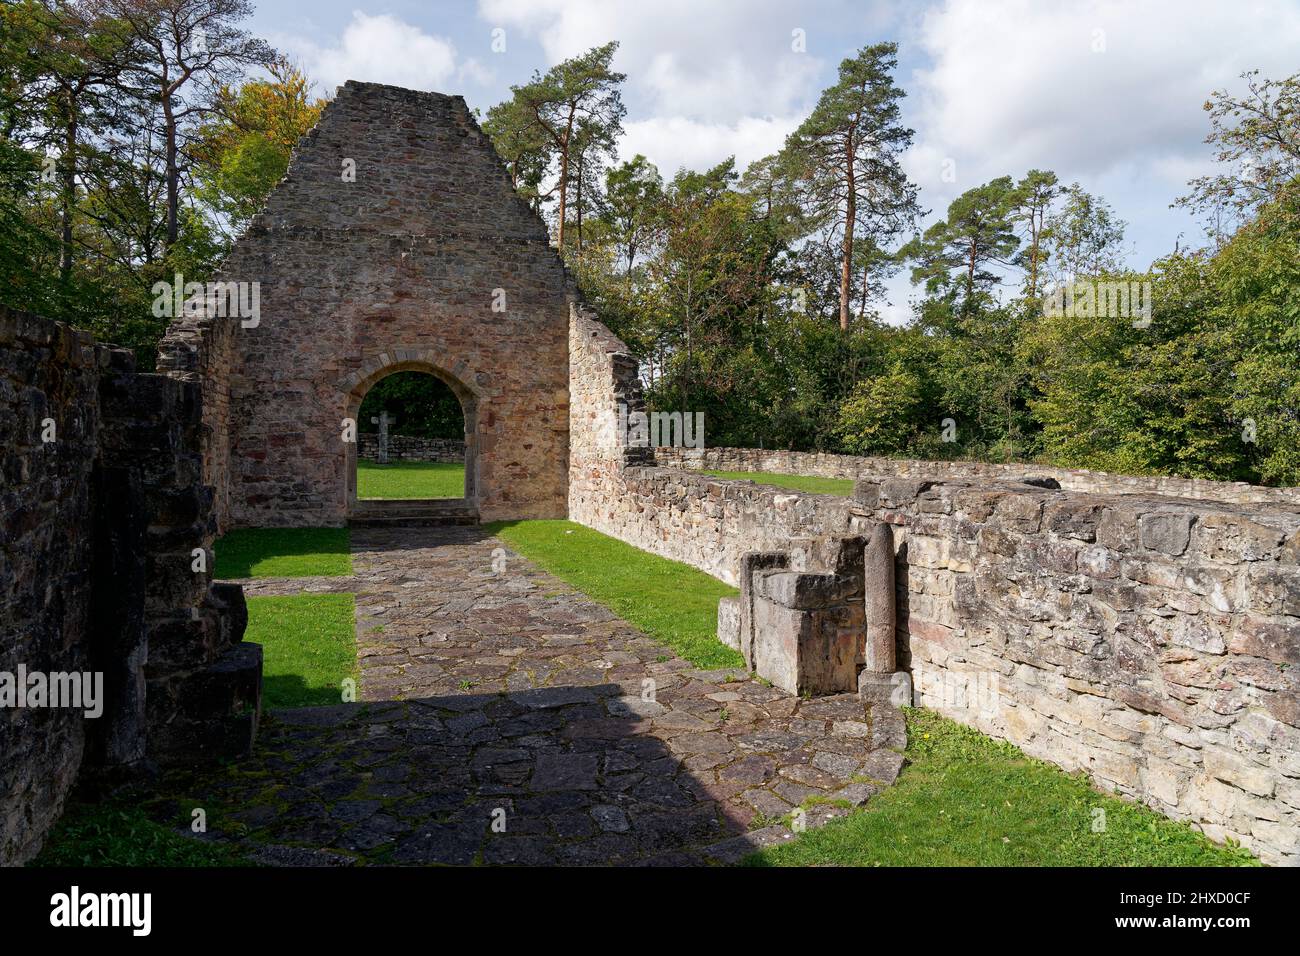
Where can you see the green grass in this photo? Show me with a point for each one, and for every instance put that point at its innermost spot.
(308, 644)
(283, 553)
(119, 833)
(671, 602)
(410, 479)
(809, 483)
(965, 799)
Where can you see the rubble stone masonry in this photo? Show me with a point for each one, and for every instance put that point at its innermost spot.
(428, 261)
(101, 513)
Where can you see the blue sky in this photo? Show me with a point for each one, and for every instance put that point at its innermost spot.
(1105, 93)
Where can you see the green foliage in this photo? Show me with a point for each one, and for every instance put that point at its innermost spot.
(422, 404)
(119, 833)
(844, 161)
(879, 415)
(561, 124)
(964, 799)
(954, 255)
(671, 602)
(1257, 276)
(244, 150)
(1256, 140)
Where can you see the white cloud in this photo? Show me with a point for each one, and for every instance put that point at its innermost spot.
(673, 142)
(1017, 84)
(712, 61)
(383, 49)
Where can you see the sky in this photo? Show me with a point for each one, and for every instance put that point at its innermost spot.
(1106, 93)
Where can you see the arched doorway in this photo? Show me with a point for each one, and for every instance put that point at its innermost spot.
(410, 420)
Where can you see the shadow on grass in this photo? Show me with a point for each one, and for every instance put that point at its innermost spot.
(291, 690)
(308, 646)
(283, 552)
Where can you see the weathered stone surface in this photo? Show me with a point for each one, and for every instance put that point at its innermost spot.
(426, 261)
(103, 514)
(1106, 625)
(420, 769)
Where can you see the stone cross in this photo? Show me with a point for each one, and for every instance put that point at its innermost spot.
(383, 421)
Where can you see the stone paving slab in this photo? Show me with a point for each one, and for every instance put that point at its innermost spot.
(507, 719)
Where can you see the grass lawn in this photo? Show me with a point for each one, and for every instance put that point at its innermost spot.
(813, 485)
(309, 646)
(410, 479)
(283, 553)
(119, 833)
(965, 799)
(670, 601)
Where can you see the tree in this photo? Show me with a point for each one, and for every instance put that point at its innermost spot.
(576, 108)
(244, 150)
(1256, 281)
(1030, 208)
(1087, 237)
(76, 60)
(710, 269)
(955, 253)
(879, 415)
(847, 157)
(634, 193)
(1258, 137)
(192, 49)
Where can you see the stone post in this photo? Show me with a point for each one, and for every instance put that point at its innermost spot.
(879, 655)
(383, 421)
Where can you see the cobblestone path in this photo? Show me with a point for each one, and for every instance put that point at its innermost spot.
(506, 718)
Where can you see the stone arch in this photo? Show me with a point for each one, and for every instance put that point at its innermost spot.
(372, 370)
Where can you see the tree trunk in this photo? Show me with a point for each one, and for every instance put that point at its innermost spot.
(564, 177)
(579, 203)
(69, 192)
(173, 174)
(970, 275)
(846, 255)
(866, 280)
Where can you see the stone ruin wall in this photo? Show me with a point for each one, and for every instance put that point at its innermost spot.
(395, 271)
(97, 533)
(1152, 641)
(826, 465)
(412, 448)
(1149, 641)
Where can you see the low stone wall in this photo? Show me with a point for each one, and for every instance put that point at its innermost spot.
(1149, 641)
(105, 570)
(825, 465)
(412, 448)
(708, 523)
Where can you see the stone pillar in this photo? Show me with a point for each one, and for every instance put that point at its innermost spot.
(383, 421)
(879, 655)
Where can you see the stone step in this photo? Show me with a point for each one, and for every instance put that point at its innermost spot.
(411, 521)
(402, 505)
(415, 512)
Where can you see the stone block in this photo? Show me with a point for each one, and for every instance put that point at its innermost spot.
(729, 622)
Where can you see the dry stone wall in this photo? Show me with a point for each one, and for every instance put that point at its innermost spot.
(412, 448)
(1150, 641)
(826, 465)
(425, 260)
(101, 515)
